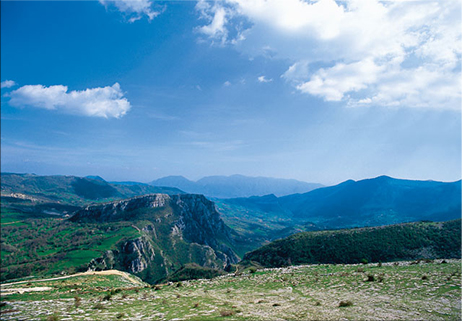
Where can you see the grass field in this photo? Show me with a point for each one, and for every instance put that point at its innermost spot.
(406, 290)
(47, 246)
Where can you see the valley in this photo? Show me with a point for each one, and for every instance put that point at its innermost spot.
(83, 248)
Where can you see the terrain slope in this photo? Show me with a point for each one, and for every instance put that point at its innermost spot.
(421, 240)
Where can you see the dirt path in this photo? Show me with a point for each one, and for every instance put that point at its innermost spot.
(108, 272)
(11, 222)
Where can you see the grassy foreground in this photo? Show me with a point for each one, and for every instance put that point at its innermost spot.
(404, 290)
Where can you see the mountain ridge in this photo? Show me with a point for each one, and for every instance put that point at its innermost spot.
(236, 185)
(372, 202)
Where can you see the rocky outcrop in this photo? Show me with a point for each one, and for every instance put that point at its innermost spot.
(173, 231)
(119, 210)
(141, 252)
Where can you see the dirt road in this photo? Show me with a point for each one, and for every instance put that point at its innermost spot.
(108, 272)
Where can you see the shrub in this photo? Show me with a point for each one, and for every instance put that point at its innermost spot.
(317, 303)
(360, 270)
(252, 269)
(77, 301)
(276, 305)
(226, 313)
(424, 277)
(196, 305)
(364, 261)
(120, 315)
(53, 317)
(380, 264)
(98, 306)
(346, 303)
(115, 291)
(107, 297)
(370, 278)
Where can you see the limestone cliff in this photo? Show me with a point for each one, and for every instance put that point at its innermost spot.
(170, 231)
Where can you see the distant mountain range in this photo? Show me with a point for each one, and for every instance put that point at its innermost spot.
(370, 202)
(237, 186)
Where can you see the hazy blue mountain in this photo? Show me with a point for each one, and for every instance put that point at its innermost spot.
(237, 186)
(377, 201)
(180, 182)
(371, 202)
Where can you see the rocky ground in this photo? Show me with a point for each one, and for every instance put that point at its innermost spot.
(405, 290)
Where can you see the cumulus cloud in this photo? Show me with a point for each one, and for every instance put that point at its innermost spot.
(224, 25)
(7, 84)
(136, 9)
(357, 50)
(264, 79)
(94, 102)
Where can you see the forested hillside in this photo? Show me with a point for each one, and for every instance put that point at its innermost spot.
(409, 241)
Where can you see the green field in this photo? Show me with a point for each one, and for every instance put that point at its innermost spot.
(424, 290)
(47, 246)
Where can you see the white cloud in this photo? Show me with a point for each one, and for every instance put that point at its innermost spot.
(333, 83)
(264, 79)
(227, 83)
(135, 8)
(216, 16)
(7, 84)
(355, 50)
(94, 102)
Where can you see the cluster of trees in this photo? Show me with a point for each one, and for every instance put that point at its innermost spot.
(388, 243)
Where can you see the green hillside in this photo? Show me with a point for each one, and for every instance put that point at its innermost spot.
(71, 190)
(151, 236)
(425, 240)
(48, 246)
(44, 196)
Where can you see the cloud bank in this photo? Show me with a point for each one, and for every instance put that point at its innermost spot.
(363, 52)
(94, 102)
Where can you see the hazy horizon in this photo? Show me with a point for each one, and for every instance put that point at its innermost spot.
(207, 176)
(321, 91)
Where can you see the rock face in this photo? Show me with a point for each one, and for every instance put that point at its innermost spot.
(171, 231)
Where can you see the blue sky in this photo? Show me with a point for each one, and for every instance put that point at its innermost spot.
(320, 91)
